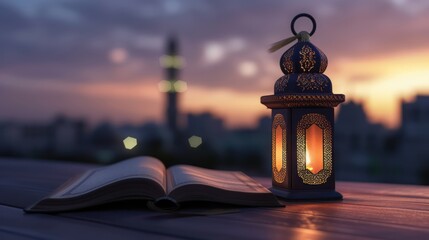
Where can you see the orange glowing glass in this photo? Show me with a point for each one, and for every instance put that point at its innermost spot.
(279, 148)
(314, 149)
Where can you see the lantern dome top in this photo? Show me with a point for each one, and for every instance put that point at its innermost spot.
(303, 57)
(303, 65)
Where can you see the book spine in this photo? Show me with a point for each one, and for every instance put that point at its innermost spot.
(163, 204)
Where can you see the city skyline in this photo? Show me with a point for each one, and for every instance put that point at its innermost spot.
(100, 60)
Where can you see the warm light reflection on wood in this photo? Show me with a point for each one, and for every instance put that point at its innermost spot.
(279, 148)
(314, 149)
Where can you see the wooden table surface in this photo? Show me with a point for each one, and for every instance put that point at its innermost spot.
(368, 211)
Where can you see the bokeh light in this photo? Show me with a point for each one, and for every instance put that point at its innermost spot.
(213, 52)
(130, 142)
(180, 86)
(172, 61)
(172, 86)
(165, 86)
(247, 68)
(195, 141)
(118, 55)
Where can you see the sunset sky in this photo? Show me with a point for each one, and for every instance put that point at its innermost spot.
(99, 59)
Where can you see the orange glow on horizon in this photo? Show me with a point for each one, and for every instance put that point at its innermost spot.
(238, 109)
(379, 82)
(384, 81)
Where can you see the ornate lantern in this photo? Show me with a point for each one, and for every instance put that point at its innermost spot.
(303, 122)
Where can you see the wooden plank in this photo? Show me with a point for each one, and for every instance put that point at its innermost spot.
(383, 189)
(14, 235)
(267, 220)
(211, 227)
(14, 224)
(301, 219)
(362, 200)
(383, 195)
(368, 211)
(271, 222)
(23, 182)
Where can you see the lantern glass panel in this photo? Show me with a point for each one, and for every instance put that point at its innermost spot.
(314, 149)
(304, 134)
(279, 148)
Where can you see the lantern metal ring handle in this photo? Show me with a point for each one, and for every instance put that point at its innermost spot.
(292, 24)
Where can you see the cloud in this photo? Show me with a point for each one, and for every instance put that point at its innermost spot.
(247, 68)
(222, 41)
(213, 52)
(216, 51)
(36, 45)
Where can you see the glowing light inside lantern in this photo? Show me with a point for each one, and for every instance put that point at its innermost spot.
(314, 149)
(308, 160)
(279, 148)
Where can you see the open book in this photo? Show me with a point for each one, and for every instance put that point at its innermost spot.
(147, 178)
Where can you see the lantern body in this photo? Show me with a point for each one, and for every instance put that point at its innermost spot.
(303, 126)
(305, 167)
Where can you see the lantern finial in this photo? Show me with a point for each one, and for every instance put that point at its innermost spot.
(292, 24)
(301, 36)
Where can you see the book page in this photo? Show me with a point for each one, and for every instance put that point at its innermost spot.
(226, 180)
(139, 167)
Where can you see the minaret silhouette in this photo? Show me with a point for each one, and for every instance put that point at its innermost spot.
(172, 74)
(172, 64)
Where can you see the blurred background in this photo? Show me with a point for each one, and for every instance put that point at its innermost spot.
(87, 81)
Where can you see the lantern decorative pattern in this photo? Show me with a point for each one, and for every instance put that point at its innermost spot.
(304, 159)
(303, 123)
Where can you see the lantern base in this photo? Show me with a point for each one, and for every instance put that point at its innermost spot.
(306, 195)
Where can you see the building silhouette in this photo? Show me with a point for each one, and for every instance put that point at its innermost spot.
(412, 162)
(360, 145)
(207, 126)
(364, 151)
(61, 137)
